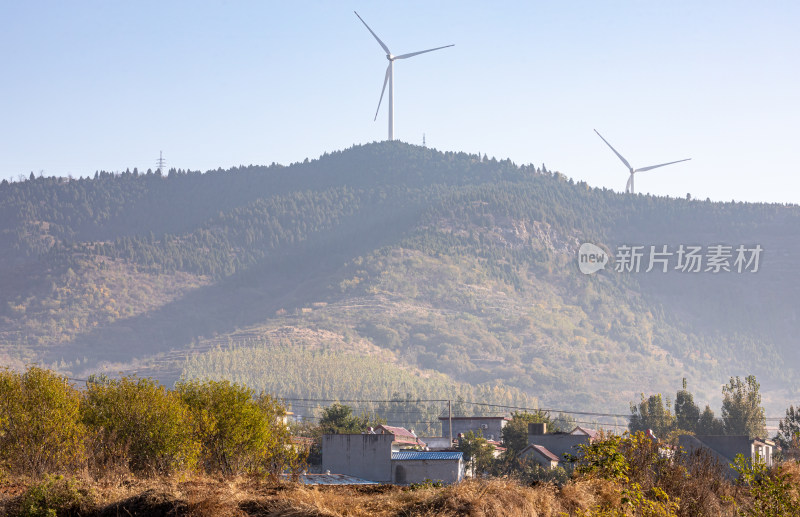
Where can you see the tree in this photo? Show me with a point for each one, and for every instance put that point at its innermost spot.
(709, 424)
(40, 428)
(233, 430)
(478, 454)
(515, 432)
(151, 423)
(687, 414)
(340, 419)
(789, 428)
(742, 413)
(652, 413)
(280, 454)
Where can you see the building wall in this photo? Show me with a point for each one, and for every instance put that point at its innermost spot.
(405, 472)
(559, 444)
(540, 459)
(729, 446)
(723, 449)
(437, 442)
(493, 430)
(366, 456)
(764, 452)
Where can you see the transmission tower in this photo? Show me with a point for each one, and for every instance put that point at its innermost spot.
(161, 162)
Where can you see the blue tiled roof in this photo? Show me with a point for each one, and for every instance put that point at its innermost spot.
(426, 455)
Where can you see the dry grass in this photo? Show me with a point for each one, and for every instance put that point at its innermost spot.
(792, 470)
(474, 498)
(205, 496)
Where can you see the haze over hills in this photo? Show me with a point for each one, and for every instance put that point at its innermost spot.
(391, 268)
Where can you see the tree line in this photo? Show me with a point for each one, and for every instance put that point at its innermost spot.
(132, 424)
(741, 414)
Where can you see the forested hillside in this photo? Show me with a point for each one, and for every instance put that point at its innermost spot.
(391, 269)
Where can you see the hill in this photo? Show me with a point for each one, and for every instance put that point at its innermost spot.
(391, 269)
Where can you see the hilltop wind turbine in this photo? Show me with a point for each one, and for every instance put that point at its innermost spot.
(629, 186)
(389, 75)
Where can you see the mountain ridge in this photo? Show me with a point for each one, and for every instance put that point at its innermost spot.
(472, 260)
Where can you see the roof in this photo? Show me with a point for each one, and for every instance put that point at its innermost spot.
(426, 455)
(543, 451)
(398, 431)
(585, 430)
(409, 442)
(331, 479)
(498, 446)
(475, 418)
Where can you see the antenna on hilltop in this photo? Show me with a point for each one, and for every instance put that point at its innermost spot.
(160, 162)
(423, 139)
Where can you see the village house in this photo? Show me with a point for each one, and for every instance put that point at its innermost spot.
(439, 443)
(402, 437)
(548, 449)
(389, 455)
(541, 455)
(491, 427)
(724, 449)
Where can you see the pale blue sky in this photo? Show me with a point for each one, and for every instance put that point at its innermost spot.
(107, 85)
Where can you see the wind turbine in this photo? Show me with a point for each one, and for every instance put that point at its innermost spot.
(389, 75)
(629, 185)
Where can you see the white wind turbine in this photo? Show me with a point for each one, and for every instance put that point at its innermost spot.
(389, 75)
(629, 185)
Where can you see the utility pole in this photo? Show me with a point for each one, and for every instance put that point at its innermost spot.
(450, 420)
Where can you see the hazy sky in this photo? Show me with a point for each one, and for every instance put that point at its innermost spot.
(107, 85)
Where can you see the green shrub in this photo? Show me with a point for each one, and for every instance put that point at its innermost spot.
(531, 473)
(55, 495)
(149, 423)
(231, 428)
(428, 483)
(40, 427)
(771, 492)
(634, 463)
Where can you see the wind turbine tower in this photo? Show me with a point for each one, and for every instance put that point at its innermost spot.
(389, 78)
(631, 170)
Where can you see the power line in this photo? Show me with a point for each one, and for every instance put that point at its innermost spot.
(483, 404)
(364, 400)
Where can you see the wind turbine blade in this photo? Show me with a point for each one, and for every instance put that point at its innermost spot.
(628, 185)
(404, 56)
(385, 80)
(628, 165)
(382, 44)
(660, 165)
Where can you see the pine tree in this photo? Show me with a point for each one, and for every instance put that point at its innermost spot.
(789, 428)
(687, 414)
(708, 424)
